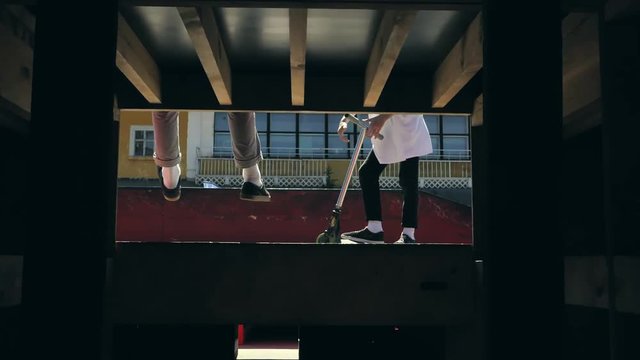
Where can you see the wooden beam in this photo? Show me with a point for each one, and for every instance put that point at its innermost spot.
(478, 109)
(298, 45)
(24, 16)
(135, 62)
(620, 8)
(580, 62)
(587, 282)
(582, 120)
(393, 31)
(15, 70)
(460, 65)
(203, 30)
(466, 5)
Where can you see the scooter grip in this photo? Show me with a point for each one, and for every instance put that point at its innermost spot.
(361, 123)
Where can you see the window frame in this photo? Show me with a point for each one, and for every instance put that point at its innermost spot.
(441, 136)
(352, 133)
(132, 139)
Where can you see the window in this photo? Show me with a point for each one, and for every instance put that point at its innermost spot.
(283, 122)
(222, 144)
(455, 147)
(281, 137)
(282, 145)
(141, 141)
(311, 136)
(336, 148)
(312, 123)
(449, 136)
(291, 135)
(311, 145)
(261, 122)
(221, 136)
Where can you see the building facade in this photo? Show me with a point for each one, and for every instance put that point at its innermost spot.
(300, 150)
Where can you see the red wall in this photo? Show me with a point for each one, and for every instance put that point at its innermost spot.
(291, 216)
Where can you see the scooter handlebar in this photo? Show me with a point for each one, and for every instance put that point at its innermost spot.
(361, 123)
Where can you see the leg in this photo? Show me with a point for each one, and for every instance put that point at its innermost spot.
(165, 133)
(247, 154)
(244, 139)
(409, 183)
(369, 174)
(167, 152)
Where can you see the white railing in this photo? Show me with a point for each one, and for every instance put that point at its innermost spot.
(308, 173)
(294, 172)
(331, 153)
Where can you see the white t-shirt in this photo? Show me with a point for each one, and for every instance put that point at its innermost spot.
(405, 136)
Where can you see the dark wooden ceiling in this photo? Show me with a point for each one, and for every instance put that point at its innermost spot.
(352, 57)
(256, 40)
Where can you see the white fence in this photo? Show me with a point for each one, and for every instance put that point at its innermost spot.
(315, 173)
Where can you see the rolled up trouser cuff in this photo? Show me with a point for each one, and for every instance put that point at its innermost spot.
(244, 139)
(246, 163)
(166, 162)
(166, 138)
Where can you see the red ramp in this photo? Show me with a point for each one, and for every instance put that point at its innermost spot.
(218, 215)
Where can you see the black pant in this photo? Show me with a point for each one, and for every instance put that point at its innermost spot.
(369, 174)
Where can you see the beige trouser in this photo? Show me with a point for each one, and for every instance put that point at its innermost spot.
(244, 138)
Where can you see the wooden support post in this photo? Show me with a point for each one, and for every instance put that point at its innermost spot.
(392, 33)
(620, 71)
(298, 53)
(69, 181)
(202, 28)
(523, 252)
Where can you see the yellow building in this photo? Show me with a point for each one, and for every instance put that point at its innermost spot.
(135, 149)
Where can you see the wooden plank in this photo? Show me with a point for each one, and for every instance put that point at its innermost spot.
(20, 21)
(298, 45)
(626, 270)
(135, 62)
(587, 282)
(203, 30)
(478, 109)
(579, 121)
(614, 9)
(10, 280)
(464, 5)
(303, 284)
(460, 65)
(580, 62)
(24, 16)
(392, 33)
(469, 5)
(15, 70)
(187, 91)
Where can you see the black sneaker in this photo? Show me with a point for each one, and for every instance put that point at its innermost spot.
(364, 236)
(169, 194)
(405, 239)
(253, 192)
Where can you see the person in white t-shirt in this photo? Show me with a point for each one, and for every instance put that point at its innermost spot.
(405, 139)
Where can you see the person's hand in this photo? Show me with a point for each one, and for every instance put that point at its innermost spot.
(342, 127)
(375, 125)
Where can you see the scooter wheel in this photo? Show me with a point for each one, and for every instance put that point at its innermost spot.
(323, 238)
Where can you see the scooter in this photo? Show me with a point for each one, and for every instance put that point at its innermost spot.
(332, 234)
